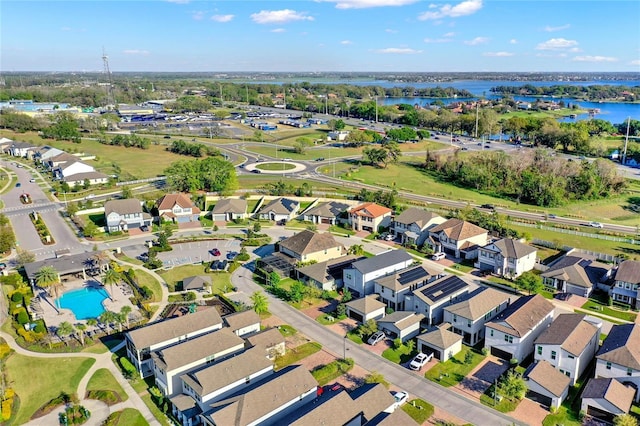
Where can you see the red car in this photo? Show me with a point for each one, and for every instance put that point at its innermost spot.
(215, 252)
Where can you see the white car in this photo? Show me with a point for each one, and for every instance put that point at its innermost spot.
(376, 337)
(389, 237)
(420, 360)
(400, 398)
(438, 256)
(596, 225)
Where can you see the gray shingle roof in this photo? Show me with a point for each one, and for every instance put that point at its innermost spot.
(280, 206)
(628, 272)
(478, 305)
(402, 319)
(122, 207)
(522, 315)
(366, 305)
(308, 242)
(196, 282)
(241, 319)
(548, 377)
(381, 261)
(332, 269)
(611, 390)
(513, 249)
(440, 338)
(331, 209)
(266, 338)
(577, 270)
(416, 215)
(570, 331)
(622, 346)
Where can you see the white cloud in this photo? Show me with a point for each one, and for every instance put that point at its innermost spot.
(513, 41)
(468, 7)
(222, 18)
(346, 42)
(398, 51)
(551, 29)
(476, 41)
(448, 35)
(557, 44)
(198, 16)
(136, 52)
(363, 4)
(636, 62)
(588, 58)
(278, 30)
(390, 31)
(498, 54)
(438, 40)
(279, 16)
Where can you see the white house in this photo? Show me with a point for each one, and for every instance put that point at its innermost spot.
(412, 225)
(626, 282)
(432, 299)
(359, 278)
(394, 288)
(511, 334)
(121, 215)
(546, 385)
(506, 257)
(467, 318)
(70, 168)
(458, 238)
(606, 398)
(280, 209)
(576, 274)
(366, 308)
(569, 344)
(404, 325)
(619, 356)
(442, 342)
(369, 217)
(178, 208)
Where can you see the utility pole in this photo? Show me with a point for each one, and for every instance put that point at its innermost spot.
(110, 97)
(221, 98)
(246, 88)
(376, 97)
(626, 141)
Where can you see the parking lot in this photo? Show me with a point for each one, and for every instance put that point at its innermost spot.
(189, 253)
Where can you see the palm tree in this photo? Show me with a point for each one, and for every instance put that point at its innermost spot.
(92, 322)
(107, 318)
(125, 311)
(64, 329)
(260, 302)
(48, 278)
(81, 328)
(111, 277)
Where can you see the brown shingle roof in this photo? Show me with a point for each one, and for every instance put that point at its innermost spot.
(458, 230)
(522, 315)
(622, 346)
(266, 338)
(440, 338)
(230, 205)
(372, 399)
(619, 395)
(168, 201)
(477, 306)
(307, 242)
(241, 319)
(420, 217)
(514, 249)
(372, 210)
(398, 417)
(159, 332)
(337, 411)
(396, 282)
(122, 207)
(366, 304)
(402, 319)
(570, 331)
(629, 272)
(199, 348)
(549, 378)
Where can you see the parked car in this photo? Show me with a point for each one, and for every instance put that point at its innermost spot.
(376, 338)
(144, 228)
(231, 255)
(215, 252)
(32, 180)
(18, 185)
(3, 266)
(400, 398)
(596, 225)
(256, 171)
(438, 256)
(420, 360)
(389, 237)
(488, 206)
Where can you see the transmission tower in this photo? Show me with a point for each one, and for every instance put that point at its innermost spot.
(110, 98)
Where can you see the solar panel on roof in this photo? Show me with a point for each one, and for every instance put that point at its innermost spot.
(412, 275)
(444, 288)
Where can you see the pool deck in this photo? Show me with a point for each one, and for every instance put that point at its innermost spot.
(53, 317)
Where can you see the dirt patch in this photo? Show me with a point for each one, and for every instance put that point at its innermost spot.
(320, 309)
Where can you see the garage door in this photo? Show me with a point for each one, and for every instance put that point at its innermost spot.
(428, 349)
(356, 316)
(539, 398)
(325, 220)
(599, 414)
(486, 267)
(500, 353)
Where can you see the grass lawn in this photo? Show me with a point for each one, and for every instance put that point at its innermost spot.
(505, 405)
(102, 379)
(145, 279)
(327, 373)
(452, 371)
(400, 355)
(419, 410)
(275, 166)
(126, 417)
(562, 417)
(340, 230)
(37, 381)
(159, 415)
(354, 338)
(103, 345)
(296, 354)
(221, 281)
(286, 330)
(595, 305)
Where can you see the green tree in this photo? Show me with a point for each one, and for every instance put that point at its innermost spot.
(301, 144)
(81, 329)
(111, 277)
(212, 174)
(7, 238)
(64, 329)
(260, 302)
(274, 279)
(23, 257)
(375, 377)
(126, 193)
(529, 281)
(625, 420)
(356, 250)
(346, 295)
(90, 229)
(297, 292)
(72, 209)
(512, 385)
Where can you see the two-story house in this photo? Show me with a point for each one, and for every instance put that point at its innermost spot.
(605, 398)
(177, 208)
(228, 209)
(393, 288)
(576, 274)
(326, 275)
(327, 213)
(359, 277)
(279, 210)
(458, 238)
(569, 344)
(310, 246)
(369, 217)
(511, 334)
(142, 341)
(619, 356)
(171, 362)
(432, 299)
(121, 215)
(626, 281)
(507, 257)
(243, 323)
(411, 226)
(467, 318)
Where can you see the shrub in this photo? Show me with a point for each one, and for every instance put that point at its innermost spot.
(242, 257)
(17, 297)
(22, 317)
(6, 409)
(129, 370)
(39, 328)
(146, 293)
(397, 343)
(26, 335)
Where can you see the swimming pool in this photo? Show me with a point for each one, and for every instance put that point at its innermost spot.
(85, 302)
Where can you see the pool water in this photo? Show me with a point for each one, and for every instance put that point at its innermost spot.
(85, 302)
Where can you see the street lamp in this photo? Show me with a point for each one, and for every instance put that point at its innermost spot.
(344, 347)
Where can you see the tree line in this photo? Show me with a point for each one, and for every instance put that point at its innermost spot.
(595, 93)
(192, 149)
(211, 174)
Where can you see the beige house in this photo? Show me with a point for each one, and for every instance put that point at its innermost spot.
(458, 238)
(366, 308)
(606, 398)
(228, 209)
(442, 342)
(546, 385)
(308, 246)
(271, 341)
(369, 217)
(177, 208)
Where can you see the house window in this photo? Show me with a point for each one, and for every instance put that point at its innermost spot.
(553, 354)
(539, 350)
(608, 366)
(508, 338)
(491, 332)
(347, 276)
(468, 323)
(571, 356)
(247, 380)
(629, 371)
(567, 373)
(455, 318)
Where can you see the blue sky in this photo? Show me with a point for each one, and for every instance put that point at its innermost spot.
(321, 35)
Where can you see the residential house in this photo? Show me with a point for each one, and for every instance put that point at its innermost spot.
(228, 209)
(121, 215)
(21, 149)
(279, 210)
(507, 258)
(369, 217)
(626, 280)
(177, 208)
(468, 317)
(171, 362)
(217, 381)
(443, 343)
(619, 356)
(42, 154)
(576, 274)
(243, 322)
(267, 402)
(569, 344)
(412, 225)
(511, 334)
(458, 238)
(395, 287)
(196, 282)
(435, 296)
(270, 341)
(404, 325)
(327, 213)
(142, 341)
(310, 246)
(365, 308)
(606, 398)
(360, 277)
(546, 385)
(326, 275)
(92, 178)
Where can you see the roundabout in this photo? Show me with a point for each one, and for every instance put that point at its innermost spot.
(275, 167)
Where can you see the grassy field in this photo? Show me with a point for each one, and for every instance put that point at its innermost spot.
(452, 371)
(221, 281)
(126, 417)
(102, 379)
(275, 166)
(145, 279)
(419, 410)
(37, 381)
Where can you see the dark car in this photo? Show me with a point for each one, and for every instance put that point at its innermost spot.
(488, 206)
(18, 185)
(144, 228)
(320, 159)
(215, 252)
(256, 171)
(231, 255)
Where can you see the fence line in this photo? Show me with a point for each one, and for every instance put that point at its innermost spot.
(600, 256)
(579, 233)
